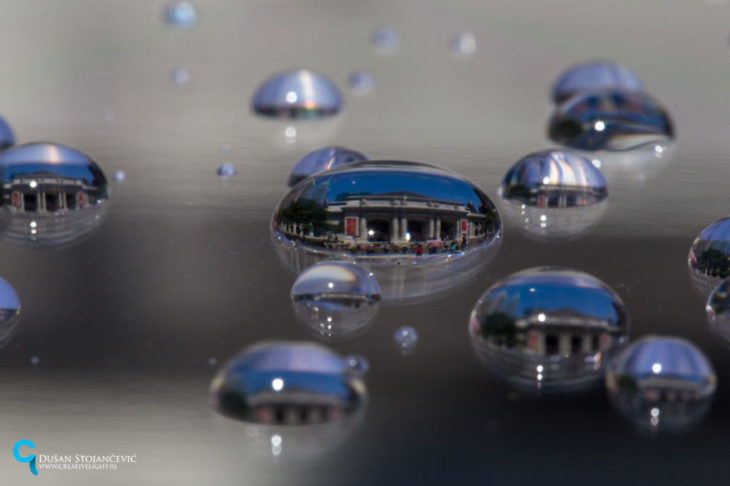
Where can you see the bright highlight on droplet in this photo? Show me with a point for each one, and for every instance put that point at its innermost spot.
(277, 384)
(599, 126)
(656, 368)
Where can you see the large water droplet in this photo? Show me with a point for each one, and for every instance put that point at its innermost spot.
(287, 383)
(548, 329)
(464, 43)
(610, 120)
(553, 193)
(9, 312)
(592, 76)
(661, 384)
(418, 228)
(335, 299)
(709, 257)
(297, 94)
(7, 138)
(180, 14)
(51, 194)
(321, 160)
(386, 39)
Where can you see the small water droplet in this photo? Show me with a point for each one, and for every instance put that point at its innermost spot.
(361, 81)
(7, 138)
(548, 329)
(306, 383)
(592, 76)
(321, 160)
(386, 39)
(610, 120)
(179, 76)
(120, 176)
(35, 360)
(406, 337)
(357, 364)
(226, 150)
(297, 94)
(226, 170)
(181, 14)
(212, 361)
(661, 384)
(464, 43)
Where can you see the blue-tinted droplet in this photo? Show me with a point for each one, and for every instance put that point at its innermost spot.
(51, 194)
(610, 120)
(709, 257)
(287, 383)
(179, 76)
(321, 160)
(335, 299)
(661, 384)
(592, 76)
(548, 329)
(35, 360)
(464, 43)
(405, 337)
(361, 81)
(357, 364)
(297, 94)
(226, 170)
(718, 309)
(181, 14)
(120, 176)
(7, 138)
(9, 312)
(386, 39)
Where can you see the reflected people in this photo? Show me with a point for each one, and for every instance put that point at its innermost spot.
(548, 329)
(661, 384)
(709, 257)
(51, 194)
(418, 228)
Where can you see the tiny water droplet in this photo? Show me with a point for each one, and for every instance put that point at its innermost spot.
(464, 43)
(180, 14)
(212, 361)
(592, 76)
(361, 81)
(226, 150)
(321, 160)
(358, 364)
(179, 76)
(120, 176)
(226, 170)
(34, 360)
(406, 337)
(385, 39)
(297, 94)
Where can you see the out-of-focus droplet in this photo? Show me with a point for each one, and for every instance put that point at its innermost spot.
(300, 93)
(548, 329)
(718, 310)
(405, 337)
(226, 169)
(709, 257)
(226, 150)
(120, 176)
(7, 138)
(52, 194)
(361, 81)
(357, 364)
(386, 39)
(287, 383)
(212, 361)
(35, 360)
(418, 228)
(554, 193)
(180, 14)
(610, 120)
(661, 384)
(592, 76)
(335, 299)
(9, 312)
(321, 160)
(464, 43)
(179, 76)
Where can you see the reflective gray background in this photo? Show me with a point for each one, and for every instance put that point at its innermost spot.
(124, 323)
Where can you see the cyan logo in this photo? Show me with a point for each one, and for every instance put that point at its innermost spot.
(29, 459)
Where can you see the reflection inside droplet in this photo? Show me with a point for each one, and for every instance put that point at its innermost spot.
(595, 75)
(709, 257)
(718, 310)
(9, 312)
(357, 364)
(321, 160)
(297, 94)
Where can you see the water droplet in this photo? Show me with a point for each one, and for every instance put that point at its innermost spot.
(592, 76)
(287, 383)
(226, 150)
(406, 337)
(357, 364)
(610, 120)
(661, 384)
(52, 194)
(361, 81)
(386, 39)
(212, 361)
(718, 310)
(548, 329)
(7, 138)
(418, 228)
(9, 312)
(464, 43)
(120, 176)
(180, 14)
(335, 299)
(321, 160)
(179, 76)
(709, 257)
(35, 360)
(226, 170)
(297, 94)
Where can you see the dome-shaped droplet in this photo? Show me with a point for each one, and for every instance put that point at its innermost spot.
(361, 81)
(610, 120)
(180, 14)
(709, 257)
(357, 364)
(321, 160)
(718, 309)
(51, 194)
(418, 228)
(464, 43)
(661, 384)
(226, 169)
(297, 94)
(9, 311)
(287, 383)
(335, 299)
(7, 138)
(548, 329)
(592, 76)
(386, 39)
(406, 338)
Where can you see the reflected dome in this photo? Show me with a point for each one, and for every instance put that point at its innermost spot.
(718, 310)
(9, 311)
(287, 383)
(709, 257)
(661, 383)
(7, 138)
(297, 94)
(51, 193)
(321, 160)
(418, 228)
(595, 75)
(611, 120)
(335, 299)
(548, 329)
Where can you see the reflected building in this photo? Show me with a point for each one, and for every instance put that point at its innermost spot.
(708, 259)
